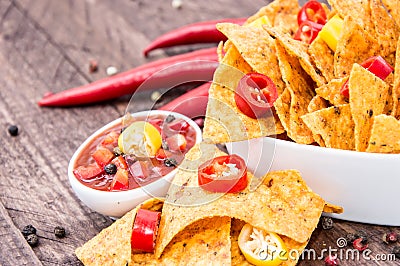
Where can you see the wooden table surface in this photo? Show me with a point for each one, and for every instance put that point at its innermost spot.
(46, 45)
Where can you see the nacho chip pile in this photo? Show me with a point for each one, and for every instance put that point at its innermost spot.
(309, 77)
(198, 227)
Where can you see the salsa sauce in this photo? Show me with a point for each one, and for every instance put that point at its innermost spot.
(102, 165)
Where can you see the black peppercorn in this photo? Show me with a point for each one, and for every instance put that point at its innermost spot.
(326, 223)
(32, 240)
(363, 235)
(59, 231)
(170, 162)
(110, 169)
(28, 230)
(13, 130)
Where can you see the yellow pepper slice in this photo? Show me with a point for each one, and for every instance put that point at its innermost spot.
(331, 31)
(141, 139)
(262, 248)
(264, 20)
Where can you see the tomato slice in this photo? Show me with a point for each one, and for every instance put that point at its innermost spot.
(312, 11)
(262, 248)
(255, 94)
(223, 174)
(307, 31)
(145, 230)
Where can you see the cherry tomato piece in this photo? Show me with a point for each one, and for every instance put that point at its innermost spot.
(312, 11)
(102, 156)
(145, 230)
(307, 31)
(88, 172)
(223, 174)
(255, 94)
(120, 180)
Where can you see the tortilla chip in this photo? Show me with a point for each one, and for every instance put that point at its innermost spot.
(323, 57)
(224, 121)
(282, 108)
(385, 135)
(396, 85)
(281, 13)
(392, 7)
(239, 259)
(359, 10)
(368, 98)
(205, 240)
(112, 246)
(282, 203)
(331, 91)
(335, 126)
(298, 49)
(387, 32)
(317, 103)
(257, 48)
(300, 86)
(354, 46)
(331, 208)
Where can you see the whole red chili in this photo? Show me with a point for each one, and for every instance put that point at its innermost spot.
(200, 32)
(192, 104)
(198, 65)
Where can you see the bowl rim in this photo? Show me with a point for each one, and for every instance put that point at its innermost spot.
(74, 182)
(332, 151)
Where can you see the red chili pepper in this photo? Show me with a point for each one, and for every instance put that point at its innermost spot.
(377, 66)
(223, 174)
(307, 31)
(192, 104)
(166, 72)
(200, 32)
(255, 94)
(312, 11)
(145, 230)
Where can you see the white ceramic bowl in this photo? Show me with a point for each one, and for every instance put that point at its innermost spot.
(366, 185)
(117, 203)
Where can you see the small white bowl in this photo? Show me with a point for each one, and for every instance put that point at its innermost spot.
(117, 203)
(366, 185)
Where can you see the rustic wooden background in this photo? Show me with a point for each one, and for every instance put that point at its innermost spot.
(46, 45)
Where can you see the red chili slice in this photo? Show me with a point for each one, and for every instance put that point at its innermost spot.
(145, 230)
(308, 31)
(223, 174)
(255, 94)
(312, 11)
(377, 66)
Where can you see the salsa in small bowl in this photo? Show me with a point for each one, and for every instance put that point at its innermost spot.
(131, 159)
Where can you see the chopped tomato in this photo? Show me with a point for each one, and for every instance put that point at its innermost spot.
(176, 142)
(111, 139)
(120, 162)
(307, 31)
(120, 180)
(162, 154)
(145, 228)
(224, 174)
(88, 172)
(312, 11)
(103, 156)
(140, 170)
(255, 94)
(262, 248)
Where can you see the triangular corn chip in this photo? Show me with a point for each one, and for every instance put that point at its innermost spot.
(323, 57)
(331, 91)
(368, 98)
(385, 135)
